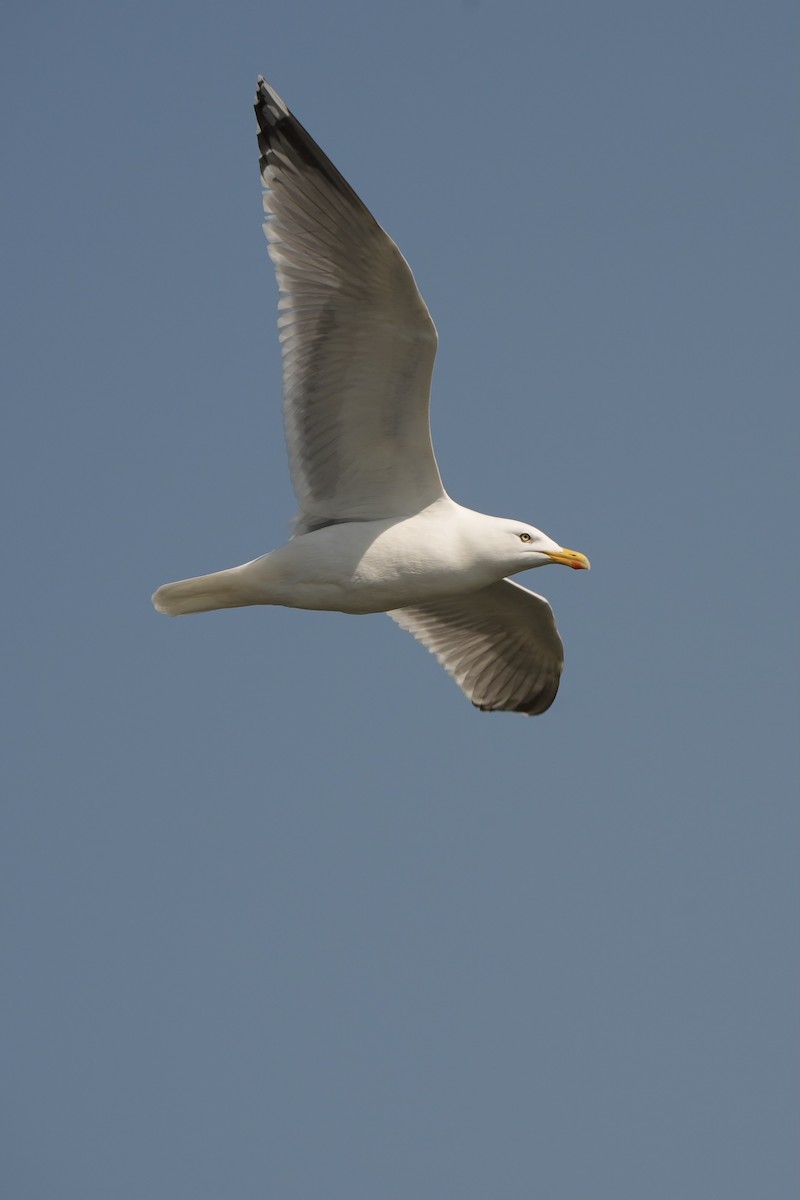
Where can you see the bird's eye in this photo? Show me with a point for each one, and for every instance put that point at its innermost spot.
(524, 537)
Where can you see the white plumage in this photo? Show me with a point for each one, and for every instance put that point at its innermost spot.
(375, 530)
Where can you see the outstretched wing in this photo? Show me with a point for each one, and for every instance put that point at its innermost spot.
(358, 342)
(500, 644)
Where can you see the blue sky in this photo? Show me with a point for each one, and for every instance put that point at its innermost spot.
(283, 915)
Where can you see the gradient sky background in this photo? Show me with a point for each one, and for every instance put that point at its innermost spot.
(283, 915)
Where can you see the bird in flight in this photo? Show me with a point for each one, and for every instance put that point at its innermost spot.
(375, 530)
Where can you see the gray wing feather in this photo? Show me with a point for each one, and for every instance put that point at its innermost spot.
(358, 342)
(500, 645)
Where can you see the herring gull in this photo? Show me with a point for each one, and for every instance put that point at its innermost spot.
(375, 530)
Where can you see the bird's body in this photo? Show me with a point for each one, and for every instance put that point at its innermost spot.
(376, 531)
(368, 566)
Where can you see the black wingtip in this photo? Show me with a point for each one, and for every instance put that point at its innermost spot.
(270, 113)
(277, 124)
(532, 706)
(268, 104)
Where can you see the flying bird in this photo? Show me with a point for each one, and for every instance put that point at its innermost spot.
(375, 530)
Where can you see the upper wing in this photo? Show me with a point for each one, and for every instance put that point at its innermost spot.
(500, 644)
(358, 342)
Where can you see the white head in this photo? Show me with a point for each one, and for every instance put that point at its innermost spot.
(519, 547)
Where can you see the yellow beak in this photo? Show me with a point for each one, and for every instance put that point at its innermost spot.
(570, 558)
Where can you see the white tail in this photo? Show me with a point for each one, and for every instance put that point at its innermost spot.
(223, 589)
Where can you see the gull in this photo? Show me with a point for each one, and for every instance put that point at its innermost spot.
(375, 530)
